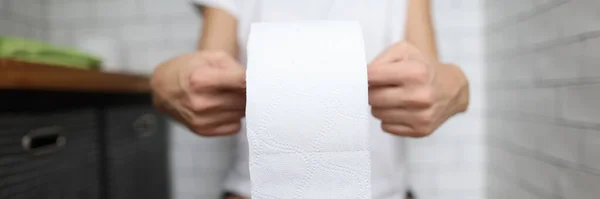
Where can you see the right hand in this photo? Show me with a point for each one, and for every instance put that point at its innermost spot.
(206, 91)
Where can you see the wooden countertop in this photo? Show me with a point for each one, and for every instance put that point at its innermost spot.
(17, 75)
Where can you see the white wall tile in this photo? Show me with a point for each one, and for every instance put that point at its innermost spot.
(591, 149)
(510, 189)
(504, 39)
(73, 10)
(84, 32)
(538, 174)
(188, 30)
(535, 101)
(513, 68)
(6, 26)
(539, 29)
(166, 7)
(560, 62)
(544, 144)
(580, 185)
(62, 37)
(549, 139)
(149, 59)
(560, 142)
(27, 8)
(590, 60)
(15, 29)
(119, 9)
(580, 103)
(147, 32)
(582, 13)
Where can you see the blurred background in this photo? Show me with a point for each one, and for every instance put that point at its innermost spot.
(532, 131)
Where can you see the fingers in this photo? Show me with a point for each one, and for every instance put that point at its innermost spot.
(208, 102)
(400, 130)
(413, 123)
(203, 90)
(401, 51)
(209, 123)
(211, 120)
(221, 130)
(401, 91)
(399, 73)
(214, 114)
(401, 97)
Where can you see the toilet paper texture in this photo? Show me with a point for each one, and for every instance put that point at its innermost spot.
(307, 111)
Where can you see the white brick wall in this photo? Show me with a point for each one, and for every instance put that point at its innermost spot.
(542, 124)
(580, 103)
(591, 150)
(23, 19)
(579, 184)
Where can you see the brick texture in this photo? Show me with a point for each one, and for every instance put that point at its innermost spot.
(542, 121)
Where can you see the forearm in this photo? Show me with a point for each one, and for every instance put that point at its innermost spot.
(419, 27)
(219, 32)
(420, 32)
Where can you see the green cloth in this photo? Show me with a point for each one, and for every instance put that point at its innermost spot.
(39, 52)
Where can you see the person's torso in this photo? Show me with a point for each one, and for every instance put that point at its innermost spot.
(383, 23)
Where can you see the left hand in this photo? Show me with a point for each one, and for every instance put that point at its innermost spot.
(412, 94)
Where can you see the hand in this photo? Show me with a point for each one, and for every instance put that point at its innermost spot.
(412, 94)
(203, 90)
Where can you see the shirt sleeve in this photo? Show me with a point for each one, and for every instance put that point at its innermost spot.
(230, 6)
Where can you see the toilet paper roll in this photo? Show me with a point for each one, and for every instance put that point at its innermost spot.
(307, 111)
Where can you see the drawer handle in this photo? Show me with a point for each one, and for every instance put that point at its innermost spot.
(145, 125)
(44, 140)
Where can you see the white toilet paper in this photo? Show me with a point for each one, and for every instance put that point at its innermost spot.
(307, 111)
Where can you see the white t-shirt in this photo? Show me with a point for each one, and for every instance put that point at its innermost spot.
(383, 23)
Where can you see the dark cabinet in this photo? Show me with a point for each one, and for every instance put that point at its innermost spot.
(75, 145)
(135, 143)
(49, 155)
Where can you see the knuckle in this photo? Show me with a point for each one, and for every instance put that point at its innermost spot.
(419, 73)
